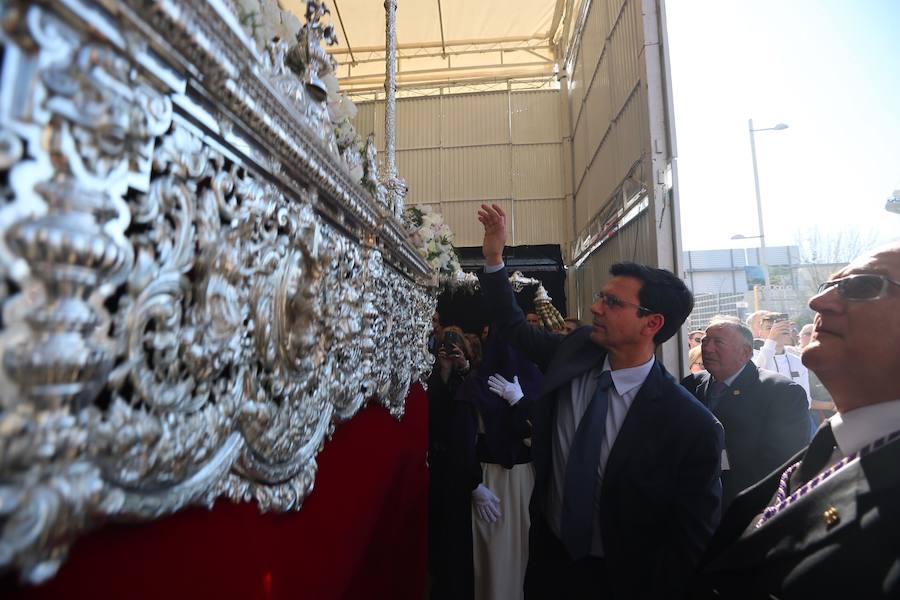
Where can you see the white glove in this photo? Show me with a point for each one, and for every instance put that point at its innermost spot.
(486, 504)
(510, 391)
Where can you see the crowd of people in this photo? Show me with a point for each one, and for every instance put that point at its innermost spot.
(571, 464)
(481, 396)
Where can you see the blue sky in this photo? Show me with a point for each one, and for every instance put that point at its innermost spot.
(830, 69)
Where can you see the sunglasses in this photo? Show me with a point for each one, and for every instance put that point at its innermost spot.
(860, 287)
(616, 302)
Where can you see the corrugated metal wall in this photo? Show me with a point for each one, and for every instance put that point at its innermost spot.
(611, 138)
(625, 200)
(608, 104)
(459, 150)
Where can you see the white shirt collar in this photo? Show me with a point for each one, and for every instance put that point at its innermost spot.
(857, 428)
(630, 378)
(730, 379)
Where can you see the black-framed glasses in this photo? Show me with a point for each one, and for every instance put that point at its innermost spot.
(862, 287)
(616, 302)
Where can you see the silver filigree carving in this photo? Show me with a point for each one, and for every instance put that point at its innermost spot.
(194, 292)
(370, 174)
(308, 57)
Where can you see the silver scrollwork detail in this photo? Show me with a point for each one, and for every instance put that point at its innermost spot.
(194, 294)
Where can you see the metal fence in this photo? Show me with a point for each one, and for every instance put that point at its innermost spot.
(784, 299)
(706, 306)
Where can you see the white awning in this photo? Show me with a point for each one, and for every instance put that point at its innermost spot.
(445, 41)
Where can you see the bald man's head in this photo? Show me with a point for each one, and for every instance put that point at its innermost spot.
(853, 348)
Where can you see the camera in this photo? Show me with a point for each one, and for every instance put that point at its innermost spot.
(780, 317)
(450, 338)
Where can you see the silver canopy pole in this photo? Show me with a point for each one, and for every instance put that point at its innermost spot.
(396, 186)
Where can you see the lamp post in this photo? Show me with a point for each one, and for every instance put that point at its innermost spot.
(893, 203)
(762, 236)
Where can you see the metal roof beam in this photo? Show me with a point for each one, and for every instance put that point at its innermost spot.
(344, 31)
(450, 83)
(450, 44)
(535, 50)
(441, 22)
(534, 69)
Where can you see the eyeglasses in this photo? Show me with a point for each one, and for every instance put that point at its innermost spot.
(861, 287)
(616, 302)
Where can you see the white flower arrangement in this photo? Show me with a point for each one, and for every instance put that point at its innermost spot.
(340, 110)
(433, 239)
(340, 107)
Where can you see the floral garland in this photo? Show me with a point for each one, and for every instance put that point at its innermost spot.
(341, 110)
(433, 238)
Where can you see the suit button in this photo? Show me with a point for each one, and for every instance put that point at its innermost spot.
(831, 516)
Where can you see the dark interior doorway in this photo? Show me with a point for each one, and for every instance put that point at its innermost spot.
(543, 262)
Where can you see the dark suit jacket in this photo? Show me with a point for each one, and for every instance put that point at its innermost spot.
(661, 492)
(797, 554)
(766, 421)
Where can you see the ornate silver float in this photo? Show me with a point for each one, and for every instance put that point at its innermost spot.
(195, 287)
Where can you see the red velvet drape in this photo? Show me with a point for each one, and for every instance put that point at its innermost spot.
(360, 534)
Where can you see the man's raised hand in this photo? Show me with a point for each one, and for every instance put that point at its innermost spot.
(494, 220)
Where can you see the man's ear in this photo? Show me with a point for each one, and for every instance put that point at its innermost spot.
(655, 322)
(748, 352)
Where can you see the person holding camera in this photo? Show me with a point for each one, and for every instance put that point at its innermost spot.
(454, 354)
(777, 354)
(449, 523)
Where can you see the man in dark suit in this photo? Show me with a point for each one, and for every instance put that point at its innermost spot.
(764, 414)
(627, 488)
(827, 523)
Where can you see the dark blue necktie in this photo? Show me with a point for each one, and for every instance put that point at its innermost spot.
(581, 473)
(716, 391)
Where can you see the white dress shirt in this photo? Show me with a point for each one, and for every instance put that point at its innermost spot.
(787, 364)
(855, 429)
(626, 383)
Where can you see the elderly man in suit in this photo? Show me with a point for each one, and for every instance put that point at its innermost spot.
(764, 414)
(827, 523)
(627, 489)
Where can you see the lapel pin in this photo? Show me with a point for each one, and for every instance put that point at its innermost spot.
(831, 516)
(736, 393)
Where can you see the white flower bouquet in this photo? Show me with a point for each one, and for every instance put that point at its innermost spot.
(433, 239)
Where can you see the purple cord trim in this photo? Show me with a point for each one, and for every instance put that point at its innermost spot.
(782, 500)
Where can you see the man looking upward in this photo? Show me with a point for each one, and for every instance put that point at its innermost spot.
(627, 489)
(826, 524)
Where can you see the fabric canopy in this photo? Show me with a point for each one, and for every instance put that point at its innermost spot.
(445, 41)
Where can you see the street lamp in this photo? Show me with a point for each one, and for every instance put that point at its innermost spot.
(762, 236)
(893, 203)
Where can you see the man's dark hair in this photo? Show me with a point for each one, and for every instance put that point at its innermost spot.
(662, 292)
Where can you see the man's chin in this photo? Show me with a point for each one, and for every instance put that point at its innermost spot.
(816, 354)
(598, 336)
